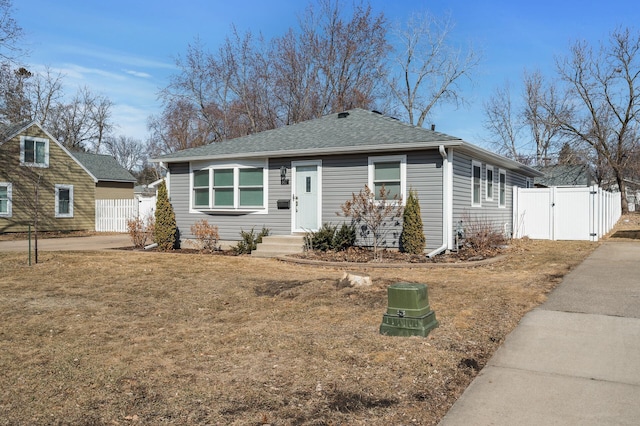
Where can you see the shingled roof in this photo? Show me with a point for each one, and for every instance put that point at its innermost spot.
(103, 167)
(353, 131)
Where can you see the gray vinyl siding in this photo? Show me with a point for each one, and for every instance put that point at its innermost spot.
(229, 225)
(342, 175)
(500, 217)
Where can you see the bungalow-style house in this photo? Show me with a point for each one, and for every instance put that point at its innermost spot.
(295, 178)
(40, 178)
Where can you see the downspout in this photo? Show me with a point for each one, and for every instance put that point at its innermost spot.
(446, 205)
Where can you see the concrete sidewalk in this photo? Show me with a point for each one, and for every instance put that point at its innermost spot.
(574, 360)
(96, 242)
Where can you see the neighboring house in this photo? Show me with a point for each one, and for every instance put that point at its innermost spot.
(39, 175)
(294, 178)
(114, 182)
(562, 175)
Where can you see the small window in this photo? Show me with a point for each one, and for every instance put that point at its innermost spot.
(251, 187)
(64, 201)
(503, 188)
(489, 183)
(223, 188)
(476, 179)
(201, 188)
(5, 199)
(34, 152)
(390, 173)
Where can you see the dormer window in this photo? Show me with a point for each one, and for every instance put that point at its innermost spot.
(34, 152)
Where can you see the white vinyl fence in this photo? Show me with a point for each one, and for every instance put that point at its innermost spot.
(564, 213)
(112, 215)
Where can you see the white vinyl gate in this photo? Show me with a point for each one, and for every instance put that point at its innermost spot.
(112, 215)
(555, 213)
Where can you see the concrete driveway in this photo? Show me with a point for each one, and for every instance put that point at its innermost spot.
(97, 242)
(575, 360)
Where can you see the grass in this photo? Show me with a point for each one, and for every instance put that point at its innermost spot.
(121, 337)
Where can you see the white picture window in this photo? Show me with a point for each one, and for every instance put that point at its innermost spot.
(489, 183)
(64, 200)
(224, 188)
(5, 199)
(476, 183)
(502, 190)
(389, 172)
(34, 152)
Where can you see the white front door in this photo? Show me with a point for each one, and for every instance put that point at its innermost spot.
(306, 196)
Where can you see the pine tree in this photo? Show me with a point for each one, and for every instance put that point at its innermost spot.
(164, 233)
(412, 239)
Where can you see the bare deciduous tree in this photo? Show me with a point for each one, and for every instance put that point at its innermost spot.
(430, 66)
(603, 87)
(83, 122)
(524, 128)
(503, 123)
(129, 152)
(10, 34)
(251, 84)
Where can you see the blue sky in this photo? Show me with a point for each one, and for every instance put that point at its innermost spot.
(126, 49)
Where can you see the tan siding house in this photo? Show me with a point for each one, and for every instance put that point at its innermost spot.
(40, 179)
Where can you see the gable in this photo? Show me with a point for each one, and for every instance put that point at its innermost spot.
(12, 143)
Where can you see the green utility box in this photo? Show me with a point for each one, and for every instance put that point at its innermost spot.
(408, 311)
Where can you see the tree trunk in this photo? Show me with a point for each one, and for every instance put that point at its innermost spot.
(622, 186)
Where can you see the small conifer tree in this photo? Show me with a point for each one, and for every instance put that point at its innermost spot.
(164, 232)
(412, 239)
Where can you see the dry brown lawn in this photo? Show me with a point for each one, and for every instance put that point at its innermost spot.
(121, 337)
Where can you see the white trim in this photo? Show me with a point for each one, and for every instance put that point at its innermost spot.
(475, 164)
(387, 159)
(35, 140)
(488, 193)
(502, 203)
(57, 200)
(9, 187)
(294, 166)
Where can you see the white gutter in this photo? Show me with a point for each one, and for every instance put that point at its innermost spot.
(447, 201)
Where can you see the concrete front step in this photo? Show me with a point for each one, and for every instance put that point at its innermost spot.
(279, 245)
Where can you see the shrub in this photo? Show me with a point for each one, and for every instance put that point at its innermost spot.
(412, 239)
(374, 217)
(249, 241)
(329, 237)
(481, 235)
(207, 235)
(345, 237)
(165, 230)
(322, 239)
(140, 230)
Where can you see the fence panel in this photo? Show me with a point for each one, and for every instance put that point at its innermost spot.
(564, 213)
(112, 215)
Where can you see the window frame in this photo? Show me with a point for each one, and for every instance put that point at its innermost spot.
(9, 187)
(59, 187)
(35, 140)
(502, 188)
(474, 202)
(489, 183)
(236, 187)
(402, 159)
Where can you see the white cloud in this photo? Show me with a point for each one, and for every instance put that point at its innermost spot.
(138, 74)
(116, 57)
